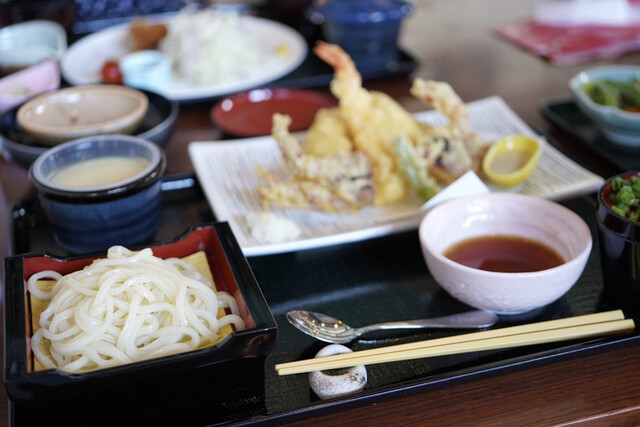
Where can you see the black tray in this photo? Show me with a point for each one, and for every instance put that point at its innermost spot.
(365, 282)
(566, 115)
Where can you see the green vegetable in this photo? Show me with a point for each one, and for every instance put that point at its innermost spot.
(415, 169)
(625, 197)
(622, 95)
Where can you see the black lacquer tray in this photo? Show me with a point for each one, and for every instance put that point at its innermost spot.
(365, 282)
(565, 114)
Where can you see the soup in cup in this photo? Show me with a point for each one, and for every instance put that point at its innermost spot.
(101, 191)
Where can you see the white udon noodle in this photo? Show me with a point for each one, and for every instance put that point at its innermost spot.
(127, 307)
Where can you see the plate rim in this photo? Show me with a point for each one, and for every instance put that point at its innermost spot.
(192, 93)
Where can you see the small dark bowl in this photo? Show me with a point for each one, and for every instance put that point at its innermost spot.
(200, 387)
(21, 148)
(619, 250)
(91, 219)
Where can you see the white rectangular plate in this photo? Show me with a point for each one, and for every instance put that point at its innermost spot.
(226, 171)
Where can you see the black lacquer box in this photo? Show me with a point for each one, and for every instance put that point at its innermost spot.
(178, 389)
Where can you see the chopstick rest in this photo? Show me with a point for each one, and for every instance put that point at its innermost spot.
(327, 385)
(586, 326)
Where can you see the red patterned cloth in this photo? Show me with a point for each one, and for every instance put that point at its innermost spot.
(571, 45)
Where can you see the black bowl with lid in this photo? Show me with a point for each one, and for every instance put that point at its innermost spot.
(619, 240)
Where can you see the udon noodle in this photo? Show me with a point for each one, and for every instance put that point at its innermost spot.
(127, 307)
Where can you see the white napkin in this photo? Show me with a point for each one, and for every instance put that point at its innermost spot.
(567, 13)
(467, 185)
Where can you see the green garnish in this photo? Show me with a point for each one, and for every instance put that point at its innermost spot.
(415, 169)
(625, 197)
(622, 95)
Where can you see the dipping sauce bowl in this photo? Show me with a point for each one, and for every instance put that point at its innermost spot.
(89, 214)
(619, 239)
(526, 218)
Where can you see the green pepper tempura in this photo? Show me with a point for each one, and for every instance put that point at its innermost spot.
(622, 95)
(625, 197)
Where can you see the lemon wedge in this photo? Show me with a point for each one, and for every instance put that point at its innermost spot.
(511, 160)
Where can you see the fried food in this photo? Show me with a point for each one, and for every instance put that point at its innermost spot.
(369, 150)
(340, 182)
(451, 150)
(327, 134)
(146, 35)
(372, 120)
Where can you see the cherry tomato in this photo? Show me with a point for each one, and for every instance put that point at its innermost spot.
(111, 73)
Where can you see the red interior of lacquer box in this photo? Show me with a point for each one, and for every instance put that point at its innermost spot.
(201, 239)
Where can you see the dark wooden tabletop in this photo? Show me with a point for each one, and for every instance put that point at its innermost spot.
(453, 42)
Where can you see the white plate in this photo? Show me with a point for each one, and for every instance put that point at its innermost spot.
(83, 61)
(226, 173)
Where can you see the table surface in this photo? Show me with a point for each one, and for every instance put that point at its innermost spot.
(453, 42)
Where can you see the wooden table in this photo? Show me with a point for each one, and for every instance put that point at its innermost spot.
(453, 42)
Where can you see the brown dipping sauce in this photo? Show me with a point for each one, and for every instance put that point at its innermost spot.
(506, 254)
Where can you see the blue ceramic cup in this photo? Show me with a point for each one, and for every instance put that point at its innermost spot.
(367, 30)
(91, 218)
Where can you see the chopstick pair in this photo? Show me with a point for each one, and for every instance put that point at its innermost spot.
(585, 326)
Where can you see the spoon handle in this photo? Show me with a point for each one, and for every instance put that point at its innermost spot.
(467, 320)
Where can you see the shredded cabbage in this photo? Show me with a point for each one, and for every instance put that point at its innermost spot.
(210, 47)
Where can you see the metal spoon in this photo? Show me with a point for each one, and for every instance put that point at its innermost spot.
(326, 328)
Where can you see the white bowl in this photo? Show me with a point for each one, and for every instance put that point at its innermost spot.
(76, 112)
(28, 43)
(505, 214)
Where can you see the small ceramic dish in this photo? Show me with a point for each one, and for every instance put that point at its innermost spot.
(28, 43)
(505, 214)
(76, 112)
(618, 126)
(511, 160)
(111, 192)
(16, 88)
(249, 113)
(220, 380)
(146, 69)
(23, 149)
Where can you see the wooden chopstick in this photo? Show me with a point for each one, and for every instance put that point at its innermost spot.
(591, 325)
(531, 327)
